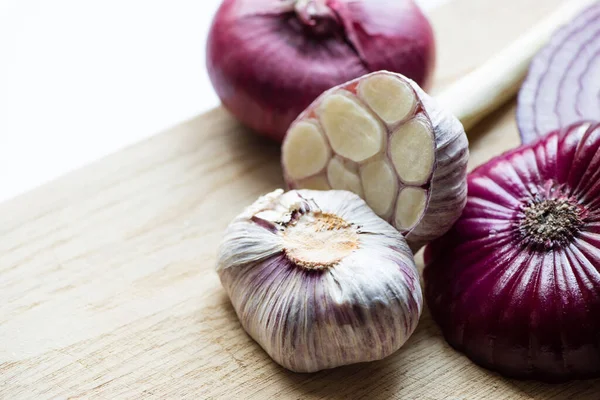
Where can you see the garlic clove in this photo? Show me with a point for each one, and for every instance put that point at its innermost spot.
(380, 186)
(318, 280)
(410, 207)
(379, 120)
(317, 182)
(306, 150)
(390, 98)
(341, 176)
(352, 131)
(412, 151)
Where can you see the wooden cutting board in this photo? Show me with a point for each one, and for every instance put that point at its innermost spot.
(107, 288)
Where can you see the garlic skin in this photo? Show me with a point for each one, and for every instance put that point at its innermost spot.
(318, 280)
(383, 138)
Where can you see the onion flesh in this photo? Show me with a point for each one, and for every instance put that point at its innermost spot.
(563, 84)
(515, 284)
(269, 59)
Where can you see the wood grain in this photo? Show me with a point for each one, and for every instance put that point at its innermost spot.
(107, 286)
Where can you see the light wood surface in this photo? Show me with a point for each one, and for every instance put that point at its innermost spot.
(107, 287)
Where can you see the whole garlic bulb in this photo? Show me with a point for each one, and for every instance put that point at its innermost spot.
(319, 280)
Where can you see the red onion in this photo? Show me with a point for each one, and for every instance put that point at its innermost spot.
(269, 59)
(515, 284)
(563, 84)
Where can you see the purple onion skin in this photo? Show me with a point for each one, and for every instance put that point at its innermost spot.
(526, 309)
(267, 66)
(563, 84)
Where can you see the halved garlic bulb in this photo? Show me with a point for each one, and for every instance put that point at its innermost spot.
(381, 137)
(319, 280)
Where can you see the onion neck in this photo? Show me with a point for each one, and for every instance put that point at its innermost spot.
(317, 17)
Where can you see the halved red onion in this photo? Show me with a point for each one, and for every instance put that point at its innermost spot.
(515, 284)
(269, 59)
(563, 84)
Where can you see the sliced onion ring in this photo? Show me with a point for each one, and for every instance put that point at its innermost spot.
(563, 84)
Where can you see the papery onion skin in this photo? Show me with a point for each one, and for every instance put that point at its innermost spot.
(524, 307)
(267, 66)
(362, 308)
(563, 83)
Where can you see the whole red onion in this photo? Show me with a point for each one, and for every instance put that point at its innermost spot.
(515, 284)
(269, 59)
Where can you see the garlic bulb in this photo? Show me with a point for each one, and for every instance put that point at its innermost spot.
(319, 280)
(383, 138)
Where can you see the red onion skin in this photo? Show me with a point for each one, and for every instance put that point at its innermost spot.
(528, 312)
(267, 67)
(563, 83)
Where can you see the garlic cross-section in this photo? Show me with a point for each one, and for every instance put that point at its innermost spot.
(319, 280)
(386, 140)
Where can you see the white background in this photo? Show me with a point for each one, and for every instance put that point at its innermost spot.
(80, 79)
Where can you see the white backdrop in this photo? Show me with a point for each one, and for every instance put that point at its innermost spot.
(80, 79)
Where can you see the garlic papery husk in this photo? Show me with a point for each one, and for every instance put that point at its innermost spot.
(318, 280)
(515, 284)
(383, 138)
